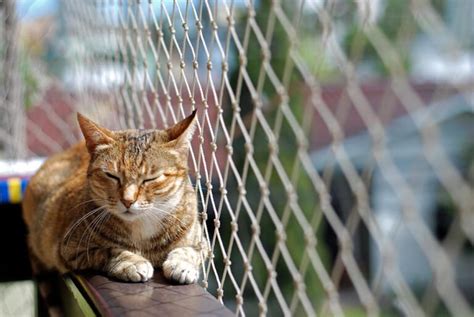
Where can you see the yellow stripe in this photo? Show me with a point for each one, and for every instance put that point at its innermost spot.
(14, 190)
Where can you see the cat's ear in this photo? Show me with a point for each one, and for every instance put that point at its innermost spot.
(96, 136)
(181, 133)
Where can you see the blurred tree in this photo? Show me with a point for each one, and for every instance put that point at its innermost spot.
(276, 47)
(271, 56)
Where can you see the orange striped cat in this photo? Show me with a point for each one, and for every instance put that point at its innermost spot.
(121, 202)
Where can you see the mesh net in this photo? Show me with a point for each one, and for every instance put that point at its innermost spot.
(334, 157)
(12, 136)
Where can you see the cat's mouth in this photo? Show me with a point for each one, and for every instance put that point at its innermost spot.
(129, 215)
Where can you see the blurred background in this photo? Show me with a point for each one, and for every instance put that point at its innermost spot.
(334, 160)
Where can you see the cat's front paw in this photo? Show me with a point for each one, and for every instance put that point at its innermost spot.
(130, 267)
(180, 271)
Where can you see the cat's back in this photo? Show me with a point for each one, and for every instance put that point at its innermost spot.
(50, 179)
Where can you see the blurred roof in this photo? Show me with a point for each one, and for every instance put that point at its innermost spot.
(56, 112)
(381, 100)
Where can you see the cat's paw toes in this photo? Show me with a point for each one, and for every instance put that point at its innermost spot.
(132, 271)
(180, 271)
(144, 270)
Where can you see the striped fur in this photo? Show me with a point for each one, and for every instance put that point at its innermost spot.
(120, 202)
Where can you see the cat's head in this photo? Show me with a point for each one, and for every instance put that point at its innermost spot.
(138, 173)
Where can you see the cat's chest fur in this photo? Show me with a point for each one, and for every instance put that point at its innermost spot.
(145, 229)
(150, 227)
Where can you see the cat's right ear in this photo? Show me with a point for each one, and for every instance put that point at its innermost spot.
(97, 137)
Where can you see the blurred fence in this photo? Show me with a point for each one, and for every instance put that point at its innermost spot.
(12, 115)
(335, 149)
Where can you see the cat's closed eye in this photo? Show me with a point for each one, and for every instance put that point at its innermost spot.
(158, 178)
(112, 176)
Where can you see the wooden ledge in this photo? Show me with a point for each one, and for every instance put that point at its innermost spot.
(157, 297)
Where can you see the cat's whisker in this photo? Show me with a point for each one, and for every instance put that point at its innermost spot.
(93, 200)
(88, 228)
(80, 220)
(95, 228)
(154, 217)
(96, 212)
(168, 213)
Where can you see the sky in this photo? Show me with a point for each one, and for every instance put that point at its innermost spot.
(432, 66)
(31, 9)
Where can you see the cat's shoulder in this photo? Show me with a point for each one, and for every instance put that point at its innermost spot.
(61, 167)
(73, 156)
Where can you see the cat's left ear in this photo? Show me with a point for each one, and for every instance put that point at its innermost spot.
(96, 136)
(182, 132)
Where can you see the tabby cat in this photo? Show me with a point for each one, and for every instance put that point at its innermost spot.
(121, 202)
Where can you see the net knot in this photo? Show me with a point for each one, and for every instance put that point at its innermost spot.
(242, 190)
(227, 262)
(234, 226)
(198, 25)
(185, 27)
(255, 229)
(281, 235)
(247, 266)
(239, 299)
(223, 190)
(248, 148)
(229, 149)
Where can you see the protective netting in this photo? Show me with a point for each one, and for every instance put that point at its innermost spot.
(334, 156)
(12, 116)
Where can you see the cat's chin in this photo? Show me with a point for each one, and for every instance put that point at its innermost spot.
(129, 215)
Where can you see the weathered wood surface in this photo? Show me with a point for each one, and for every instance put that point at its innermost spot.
(156, 297)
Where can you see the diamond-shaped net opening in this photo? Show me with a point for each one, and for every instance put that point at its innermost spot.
(333, 161)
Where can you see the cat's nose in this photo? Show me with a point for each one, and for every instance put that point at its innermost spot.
(127, 203)
(129, 195)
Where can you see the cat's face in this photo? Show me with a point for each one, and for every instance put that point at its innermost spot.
(138, 173)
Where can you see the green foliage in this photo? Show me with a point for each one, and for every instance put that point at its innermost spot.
(398, 25)
(278, 200)
(315, 56)
(30, 81)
